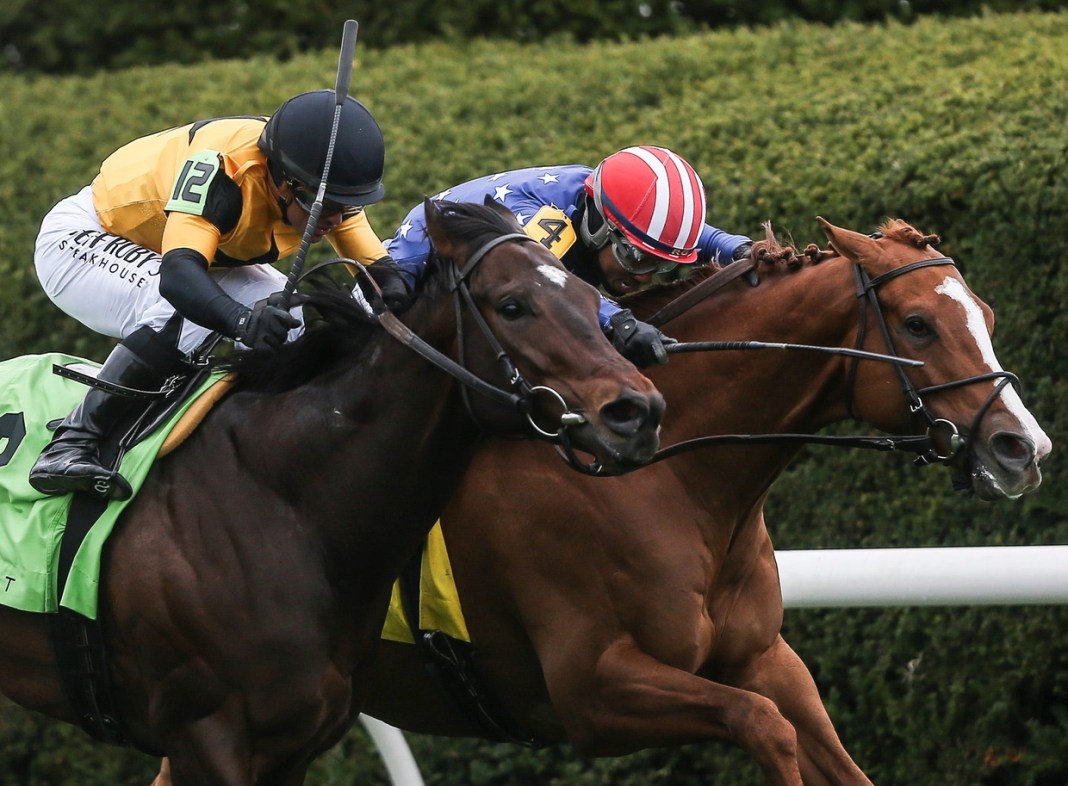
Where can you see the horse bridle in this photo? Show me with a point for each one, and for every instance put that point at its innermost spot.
(866, 292)
(520, 394)
(923, 445)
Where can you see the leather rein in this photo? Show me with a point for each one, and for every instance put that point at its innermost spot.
(520, 394)
(924, 445)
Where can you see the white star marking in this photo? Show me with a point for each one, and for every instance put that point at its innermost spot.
(554, 274)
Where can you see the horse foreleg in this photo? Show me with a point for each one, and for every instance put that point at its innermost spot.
(780, 675)
(627, 700)
(164, 776)
(292, 778)
(214, 750)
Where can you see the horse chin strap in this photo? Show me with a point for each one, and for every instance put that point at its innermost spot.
(957, 444)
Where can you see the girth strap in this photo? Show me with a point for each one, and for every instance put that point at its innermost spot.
(451, 661)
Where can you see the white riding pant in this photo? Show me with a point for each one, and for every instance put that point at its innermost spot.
(111, 284)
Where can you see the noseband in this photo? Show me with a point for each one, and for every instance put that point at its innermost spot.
(866, 291)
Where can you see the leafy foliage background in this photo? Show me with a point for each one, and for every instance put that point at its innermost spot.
(67, 36)
(956, 125)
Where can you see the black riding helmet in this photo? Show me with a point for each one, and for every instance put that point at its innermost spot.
(296, 138)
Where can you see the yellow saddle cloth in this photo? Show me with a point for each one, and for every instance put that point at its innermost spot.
(439, 601)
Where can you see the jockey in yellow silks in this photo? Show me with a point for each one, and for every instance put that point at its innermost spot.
(175, 238)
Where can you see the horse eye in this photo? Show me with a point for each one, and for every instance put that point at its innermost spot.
(916, 326)
(511, 309)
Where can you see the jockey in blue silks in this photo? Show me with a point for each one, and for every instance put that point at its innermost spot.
(638, 214)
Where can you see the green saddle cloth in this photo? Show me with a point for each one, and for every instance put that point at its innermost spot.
(32, 524)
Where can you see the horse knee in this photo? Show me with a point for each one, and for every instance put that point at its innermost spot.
(760, 728)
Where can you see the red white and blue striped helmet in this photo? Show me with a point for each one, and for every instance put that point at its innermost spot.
(654, 197)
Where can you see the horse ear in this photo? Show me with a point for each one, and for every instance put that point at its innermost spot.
(845, 241)
(434, 229)
(489, 201)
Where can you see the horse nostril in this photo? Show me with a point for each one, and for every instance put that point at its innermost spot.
(627, 414)
(1012, 450)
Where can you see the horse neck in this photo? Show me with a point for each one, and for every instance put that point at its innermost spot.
(381, 444)
(760, 391)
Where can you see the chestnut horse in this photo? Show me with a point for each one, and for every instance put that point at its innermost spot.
(245, 587)
(618, 614)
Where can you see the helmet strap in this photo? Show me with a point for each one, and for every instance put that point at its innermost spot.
(284, 207)
(277, 177)
(283, 204)
(593, 228)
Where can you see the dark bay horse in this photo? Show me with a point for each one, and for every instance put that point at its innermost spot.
(624, 613)
(245, 587)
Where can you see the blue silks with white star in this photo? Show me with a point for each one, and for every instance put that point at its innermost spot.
(544, 200)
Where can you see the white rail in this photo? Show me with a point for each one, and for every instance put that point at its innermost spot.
(396, 755)
(971, 576)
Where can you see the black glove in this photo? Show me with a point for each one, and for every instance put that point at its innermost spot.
(638, 342)
(742, 252)
(396, 293)
(264, 326)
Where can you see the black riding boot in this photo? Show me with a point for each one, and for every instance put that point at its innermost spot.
(71, 461)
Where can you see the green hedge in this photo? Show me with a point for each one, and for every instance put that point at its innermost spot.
(67, 36)
(956, 126)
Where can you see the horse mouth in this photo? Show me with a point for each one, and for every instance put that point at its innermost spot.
(990, 486)
(629, 430)
(594, 445)
(992, 480)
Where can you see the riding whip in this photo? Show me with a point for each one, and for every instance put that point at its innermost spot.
(341, 92)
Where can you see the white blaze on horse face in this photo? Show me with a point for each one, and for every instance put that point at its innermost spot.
(954, 289)
(554, 274)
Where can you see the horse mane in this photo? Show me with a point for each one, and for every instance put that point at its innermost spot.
(769, 255)
(470, 222)
(903, 232)
(337, 331)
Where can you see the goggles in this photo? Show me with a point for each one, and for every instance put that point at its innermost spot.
(305, 199)
(634, 261)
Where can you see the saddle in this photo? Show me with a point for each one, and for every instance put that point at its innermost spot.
(50, 546)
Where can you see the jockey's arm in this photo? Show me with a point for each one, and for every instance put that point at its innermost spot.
(354, 238)
(606, 309)
(188, 243)
(715, 245)
(185, 283)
